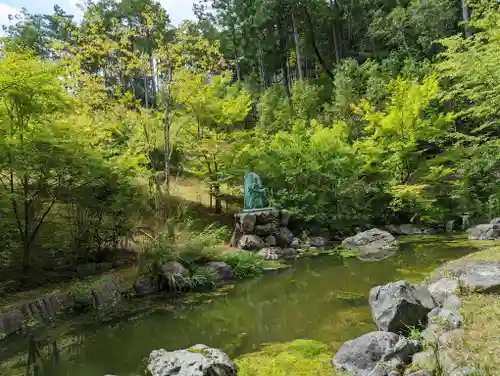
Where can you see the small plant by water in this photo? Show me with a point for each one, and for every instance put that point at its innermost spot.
(244, 264)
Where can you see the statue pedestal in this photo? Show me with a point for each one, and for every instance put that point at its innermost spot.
(259, 228)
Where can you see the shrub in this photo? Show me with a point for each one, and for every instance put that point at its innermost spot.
(204, 278)
(180, 242)
(244, 264)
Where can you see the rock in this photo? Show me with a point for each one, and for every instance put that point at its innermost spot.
(105, 294)
(270, 241)
(284, 237)
(374, 354)
(144, 286)
(447, 361)
(284, 218)
(274, 253)
(474, 275)
(452, 303)
(400, 304)
(466, 371)
(236, 236)
(267, 229)
(247, 222)
(432, 333)
(295, 243)
(223, 270)
(447, 318)
(447, 339)
(251, 243)
(495, 221)
(372, 244)
(444, 287)
(409, 229)
(423, 372)
(198, 360)
(484, 232)
(11, 321)
(174, 276)
(318, 242)
(424, 360)
(267, 216)
(290, 253)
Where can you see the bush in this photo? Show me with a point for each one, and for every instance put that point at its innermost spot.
(204, 278)
(244, 264)
(179, 241)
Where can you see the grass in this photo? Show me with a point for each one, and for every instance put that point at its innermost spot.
(480, 345)
(297, 358)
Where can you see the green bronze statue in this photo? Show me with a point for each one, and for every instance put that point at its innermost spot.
(255, 195)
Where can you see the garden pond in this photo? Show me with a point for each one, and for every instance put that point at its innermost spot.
(322, 298)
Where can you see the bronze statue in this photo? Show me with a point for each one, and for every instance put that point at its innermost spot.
(255, 194)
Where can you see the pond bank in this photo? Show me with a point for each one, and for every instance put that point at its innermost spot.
(320, 299)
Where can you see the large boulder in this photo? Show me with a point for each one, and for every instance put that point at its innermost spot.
(374, 354)
(175, 276)
(11, 321)
(273, 253)
(409, 229)
(484, 232)
(267, 229)
(246, 222)
(473, 275)
(373, 244)
(267, 216)
(397, 305)
(105, 293)
(250, 243)
(144, 286)
(223, 270)
(199, 360)
(284, 217)
(284, 237)
(443, 288)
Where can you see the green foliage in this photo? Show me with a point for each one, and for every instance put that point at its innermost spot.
(204, 277)
(297, 358)
(244, 264)
(180, 241)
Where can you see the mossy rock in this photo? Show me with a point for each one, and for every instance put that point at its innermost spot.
(298, 358)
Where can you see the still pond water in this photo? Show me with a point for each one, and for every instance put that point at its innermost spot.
(323, 299)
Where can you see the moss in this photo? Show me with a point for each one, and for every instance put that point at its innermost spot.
(203, 352)
(298, 358)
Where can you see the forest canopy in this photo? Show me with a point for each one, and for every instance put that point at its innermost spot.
(354, 113)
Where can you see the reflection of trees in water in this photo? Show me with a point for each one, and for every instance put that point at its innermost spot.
(42, 358)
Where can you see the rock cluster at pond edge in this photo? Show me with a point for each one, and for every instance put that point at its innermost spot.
(371, 245)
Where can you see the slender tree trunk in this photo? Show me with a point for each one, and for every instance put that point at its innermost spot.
(465, 18)
(262, 71)
(334, 34)
(166, 134)
(27, 231)
(296, 40)
(146, 91)
(315, 47)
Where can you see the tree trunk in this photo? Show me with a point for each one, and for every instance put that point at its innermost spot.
(334, 33)
(166, 134)
(315, 47)
(262, 71)
(465, 18)
(296, 40)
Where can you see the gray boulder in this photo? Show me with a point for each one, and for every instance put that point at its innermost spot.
(270, 241)
(373, 244)
(273, 253)
(400, 304)
(267, 216)
(250, 243)
(444, 287)
(423, 372)
(174, 276)
(11, 321)
(474, 275)
(448, 318)
(223, 270)
(374, 354)
(447, 339)
(318, 242)
(432, 334)
(448, 361)
(105, 293)
(452, 303)
(295, 243)
(484, 232)
(247, 222)
(466, 371)
(284, 237)
(144, 286)
(409, 229)
(199, 360)
(267, 229)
